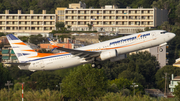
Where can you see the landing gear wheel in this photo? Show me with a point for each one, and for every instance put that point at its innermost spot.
(99, 66)
(93, 65)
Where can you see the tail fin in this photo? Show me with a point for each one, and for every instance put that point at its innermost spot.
(54, 45)
(21, 50)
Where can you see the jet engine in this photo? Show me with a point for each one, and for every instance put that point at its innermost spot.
(117, 58)
(108, 54)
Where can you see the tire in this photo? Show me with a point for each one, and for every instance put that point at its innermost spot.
(93, 65)
(99, 66)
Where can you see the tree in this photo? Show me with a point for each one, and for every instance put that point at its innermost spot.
(24, 38)
(84, 83)
(123, 83)
(45, 79)
(134, 76)
(2, 34)
(44, 51)
(90, 26)
(160, 75)
(37, 39)
(142, 63)
(177, 91)
(178, 10)
(4, 74)
(166, 26)
(60, 25)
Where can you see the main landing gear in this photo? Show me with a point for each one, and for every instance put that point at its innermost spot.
(94, 65)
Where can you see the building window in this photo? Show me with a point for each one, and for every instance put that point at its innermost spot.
(61, 12)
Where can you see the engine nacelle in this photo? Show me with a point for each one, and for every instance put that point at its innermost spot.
(108, 54)
(119, 57)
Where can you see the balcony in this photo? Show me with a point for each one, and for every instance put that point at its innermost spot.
(171, 86)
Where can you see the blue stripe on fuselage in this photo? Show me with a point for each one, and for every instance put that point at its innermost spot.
(48, 57)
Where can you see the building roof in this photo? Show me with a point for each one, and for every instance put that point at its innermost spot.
(5, 51)
(177, 78)
(177, 64)
(5, 57)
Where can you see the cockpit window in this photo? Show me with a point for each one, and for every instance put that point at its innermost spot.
(163, 32)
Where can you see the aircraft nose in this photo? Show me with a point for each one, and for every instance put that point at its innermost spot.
(172, 35)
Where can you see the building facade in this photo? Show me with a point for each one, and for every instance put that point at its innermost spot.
(27, 23)
(174, 82)
(8, 55)
(105, 19)
(112, 19)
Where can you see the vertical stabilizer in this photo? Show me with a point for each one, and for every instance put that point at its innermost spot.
(21, 50)
(54, 45)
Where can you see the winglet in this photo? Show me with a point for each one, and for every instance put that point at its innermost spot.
(54, 45)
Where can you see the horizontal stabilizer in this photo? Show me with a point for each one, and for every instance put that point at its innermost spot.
(19, 63)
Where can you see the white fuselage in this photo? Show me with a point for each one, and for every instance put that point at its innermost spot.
(123, 45)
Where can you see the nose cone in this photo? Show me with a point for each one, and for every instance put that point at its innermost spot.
(172, 35)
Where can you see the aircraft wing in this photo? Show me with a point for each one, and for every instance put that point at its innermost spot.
(80, 53)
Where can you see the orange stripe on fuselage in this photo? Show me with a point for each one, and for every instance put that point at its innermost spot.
(47, 54)
(29, 50)
(20, 43)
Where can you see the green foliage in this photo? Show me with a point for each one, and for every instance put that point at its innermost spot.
(63, 72)
(44, 51)
(120, 97)
(37, 39)
(90, 26)
(17, 86)
(44, 80)
(160, 75)
(122, 84)
(39, 95)
(24, 38)
(18, 74)
(84, 83)
(2, 34)
(141, 67)
(177, 91)
(4, 76)
(134, 76)
(63, 36)
(60, 25)
(54, 95)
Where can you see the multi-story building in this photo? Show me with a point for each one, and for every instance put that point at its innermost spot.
(27, 23)
(112, 19)
(106, 19)
(8, 55)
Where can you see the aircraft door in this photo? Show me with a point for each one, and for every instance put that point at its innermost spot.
(154, 35)
(42, 64)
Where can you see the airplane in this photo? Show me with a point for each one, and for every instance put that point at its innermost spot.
(111, 50)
